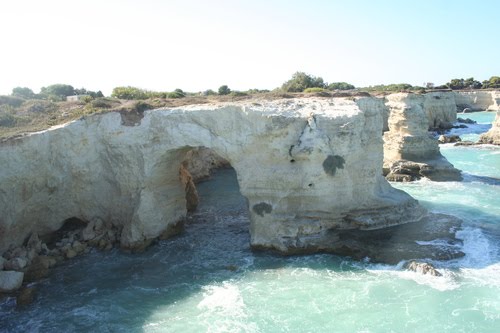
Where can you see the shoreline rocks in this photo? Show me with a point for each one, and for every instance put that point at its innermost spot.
(10, 281)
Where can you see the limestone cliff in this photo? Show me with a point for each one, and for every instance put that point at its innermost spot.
(307, 167)
(493, 135)
(478, 100)
(440, 109)
(409, 151)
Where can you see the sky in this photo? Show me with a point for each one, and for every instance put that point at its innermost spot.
(199, 45)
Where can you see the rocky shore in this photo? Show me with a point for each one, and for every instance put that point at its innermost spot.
(311, 170)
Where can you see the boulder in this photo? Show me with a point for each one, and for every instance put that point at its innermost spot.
(10, 281)
(449, 139)
(70, 253)
(422, 268)
(39, 268)
(16, 264)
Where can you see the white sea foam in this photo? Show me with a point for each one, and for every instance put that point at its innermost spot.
(224, 309)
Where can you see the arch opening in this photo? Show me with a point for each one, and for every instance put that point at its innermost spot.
(212, 194)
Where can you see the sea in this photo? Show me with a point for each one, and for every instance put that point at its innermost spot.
(208, 280)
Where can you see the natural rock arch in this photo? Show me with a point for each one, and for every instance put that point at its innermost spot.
(307, 167)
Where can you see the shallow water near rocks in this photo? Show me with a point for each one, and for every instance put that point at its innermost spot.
(208, 280)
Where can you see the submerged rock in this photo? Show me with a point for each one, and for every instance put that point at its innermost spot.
(431, 238)
(25, 297)
(466, 121)
(422, 268)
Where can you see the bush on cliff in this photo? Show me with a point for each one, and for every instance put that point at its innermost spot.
(57, 92)
(177, 93)
(224, 90)
(13, 101)
(129, 93)
(23, 92)
(340, 86)
(300, 81)
(470, 83)
(493, 82)
(314, 90)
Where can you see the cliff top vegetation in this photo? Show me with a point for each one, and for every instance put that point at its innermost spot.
(25, 111)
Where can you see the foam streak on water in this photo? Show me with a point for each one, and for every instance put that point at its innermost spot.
(208, 280)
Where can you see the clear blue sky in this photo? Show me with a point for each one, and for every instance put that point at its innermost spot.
(199, 45)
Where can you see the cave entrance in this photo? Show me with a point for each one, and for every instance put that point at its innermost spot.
(217, 211)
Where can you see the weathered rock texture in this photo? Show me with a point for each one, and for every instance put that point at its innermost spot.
(409, 151)
(200, 162)
(478, 100)
(307, 168)
(440, 109)
(493, 135)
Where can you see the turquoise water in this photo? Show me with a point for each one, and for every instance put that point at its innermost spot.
(208, 280)
(483, 119)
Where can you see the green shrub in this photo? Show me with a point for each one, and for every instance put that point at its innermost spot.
(177, 93)
(7, 119)
(39, 106)
(103, 103)
(238, 93)
(314, 90)
(340, 86)
(224, 90)
(129, 93)
(209, 92)
(300, 81)
(23, 92)
(13, 101)
(142, 106)
(57, 92)
(493, 82)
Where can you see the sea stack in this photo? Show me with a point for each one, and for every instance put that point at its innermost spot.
(409, 151)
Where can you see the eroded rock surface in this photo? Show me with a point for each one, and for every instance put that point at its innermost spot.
(477, 100)
(493, 135)
(410, 152)
(306, 167)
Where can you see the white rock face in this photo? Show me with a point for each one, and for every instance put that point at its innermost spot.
(10, 281)
(440, 109)
(409, 151)
(306, 166)
(200, 162)
(478, 100)
(493, 135)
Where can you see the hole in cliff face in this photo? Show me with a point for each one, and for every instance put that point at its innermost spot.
(217, 212)
(71, 224)
(199, 165)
